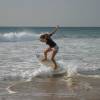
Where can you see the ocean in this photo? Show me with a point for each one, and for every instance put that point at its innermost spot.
(79, 54)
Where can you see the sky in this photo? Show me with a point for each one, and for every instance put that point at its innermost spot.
(50, 13)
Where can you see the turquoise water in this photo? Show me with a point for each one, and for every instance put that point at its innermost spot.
(15, 34)
(79, 50)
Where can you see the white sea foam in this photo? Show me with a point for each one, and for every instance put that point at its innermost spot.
(20, 36)
(77, 55)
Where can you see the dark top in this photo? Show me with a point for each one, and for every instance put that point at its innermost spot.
(50, 42)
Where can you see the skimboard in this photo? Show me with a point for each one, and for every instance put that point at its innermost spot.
(48, 63)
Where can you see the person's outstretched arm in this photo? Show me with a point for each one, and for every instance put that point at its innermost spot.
(54, 31)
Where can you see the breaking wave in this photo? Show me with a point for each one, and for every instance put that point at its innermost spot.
(21, 36)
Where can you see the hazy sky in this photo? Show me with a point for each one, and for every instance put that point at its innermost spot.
(49, 12)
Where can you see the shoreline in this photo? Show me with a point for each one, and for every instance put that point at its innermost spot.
(54, 88)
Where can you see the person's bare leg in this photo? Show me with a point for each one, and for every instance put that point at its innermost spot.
(45, 54)
(52, 58)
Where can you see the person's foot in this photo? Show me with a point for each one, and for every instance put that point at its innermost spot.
(55, 67)
(44, 59)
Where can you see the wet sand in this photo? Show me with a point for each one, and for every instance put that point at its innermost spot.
(76, 88)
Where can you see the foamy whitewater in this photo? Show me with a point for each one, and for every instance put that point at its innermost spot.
(79, 52)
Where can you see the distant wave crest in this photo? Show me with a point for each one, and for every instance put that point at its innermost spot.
(14, 37)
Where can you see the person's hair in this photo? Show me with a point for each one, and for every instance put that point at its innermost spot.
(44, 36)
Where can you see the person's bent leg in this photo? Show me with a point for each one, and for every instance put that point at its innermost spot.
(45, 53)
(53, 58)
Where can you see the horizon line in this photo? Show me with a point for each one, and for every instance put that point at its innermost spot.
(48, 26)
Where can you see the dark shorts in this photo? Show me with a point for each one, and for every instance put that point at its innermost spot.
(56, 48)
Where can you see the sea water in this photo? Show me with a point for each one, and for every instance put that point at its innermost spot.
(79, 51)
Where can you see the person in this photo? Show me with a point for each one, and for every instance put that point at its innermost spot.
(53, 47)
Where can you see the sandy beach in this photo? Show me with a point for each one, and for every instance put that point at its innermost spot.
(79, 88)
